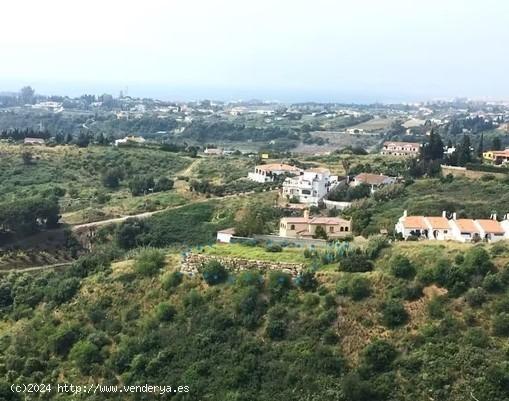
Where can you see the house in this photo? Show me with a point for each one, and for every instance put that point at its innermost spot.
(401, 148)
(213, 152)
(306, 226)
(225, 236)
(375, 181)
(129, 138)
(311, 186)
(268, 172)
(461, 230)
(497, 156)
(33, 141)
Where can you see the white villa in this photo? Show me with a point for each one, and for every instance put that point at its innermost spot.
(311, 186)
(454, 229)
(268, 172)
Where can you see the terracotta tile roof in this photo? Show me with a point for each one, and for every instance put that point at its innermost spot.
(371, 179)
(414, 222)
(227, 231)
(466, 226)
(491, 226)
(330, 221)
(295, 220)
(438, 223)
(403, 144)
(277, 167)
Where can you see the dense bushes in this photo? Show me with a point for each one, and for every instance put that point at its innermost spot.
(355, 262)
(394, 313)
(149, 262)
(357, 287)
(214, 272)
(401, 267)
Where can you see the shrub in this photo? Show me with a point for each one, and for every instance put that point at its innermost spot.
(379, 355)
(500, 324)
(163, 184)
(274, 248)
(436, 307)
(478, 262)
(475, 297)
(306, 280)
(375, 245)
(493, 283)
(394, 314)
(84, 354)
(172, 280)
(359, 288)
(63, 339)
(276, 329)
(214, 273)
(279, 284)
(250, 278)
(149, 262)
(165, 312)
(401, 267)
(355, 262)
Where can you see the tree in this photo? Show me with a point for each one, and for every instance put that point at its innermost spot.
(163, 184)
(140, 185)
(111, 177)
(320, 233)
(434, 149)
(496, 144)
(84, 354)
(480, 149)
(128, 232)
(27, 95)
(82, 140)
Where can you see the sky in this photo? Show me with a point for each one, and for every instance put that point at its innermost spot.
(287, 50)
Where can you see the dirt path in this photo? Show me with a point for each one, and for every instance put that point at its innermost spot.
(35, 268)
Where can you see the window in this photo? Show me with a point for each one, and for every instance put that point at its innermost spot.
(292, 227)
(331, 229)
(346, 228)
(341, 228)
(306, 192)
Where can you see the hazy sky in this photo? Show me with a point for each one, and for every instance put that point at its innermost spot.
(343, 50)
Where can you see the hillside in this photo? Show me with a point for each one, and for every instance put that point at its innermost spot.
(429, 321)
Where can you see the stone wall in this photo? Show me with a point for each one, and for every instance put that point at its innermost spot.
(464, 172)
(192, 262)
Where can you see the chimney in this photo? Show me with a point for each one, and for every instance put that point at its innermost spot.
(405, 213)
(493, 216)
(454, 216)
(306, 214)
(444, 214)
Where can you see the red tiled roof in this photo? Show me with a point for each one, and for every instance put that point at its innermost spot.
(491, 226)
(439, 223)
(414, 222)
(467, 226)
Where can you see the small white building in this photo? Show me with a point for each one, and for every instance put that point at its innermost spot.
(129, 138)
(311, 186)
(225, 236)
(268, 172)
(213, 152)
(375, 181)
(33, 141)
